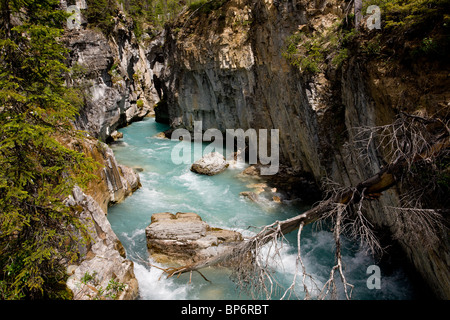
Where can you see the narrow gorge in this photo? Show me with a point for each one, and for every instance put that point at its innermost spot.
(341, 99)
(225, 67)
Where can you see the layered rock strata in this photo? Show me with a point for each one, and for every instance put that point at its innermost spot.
(116, 76)
(184, 238)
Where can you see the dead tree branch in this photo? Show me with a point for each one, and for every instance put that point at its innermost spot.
(406, 142)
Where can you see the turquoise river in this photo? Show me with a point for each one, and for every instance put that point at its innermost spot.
(167, 187)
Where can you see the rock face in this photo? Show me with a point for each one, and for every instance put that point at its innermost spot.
(184, 238)
(211, 164)
(226, 69)
(115, 182)
(104, 257)
(116, 75)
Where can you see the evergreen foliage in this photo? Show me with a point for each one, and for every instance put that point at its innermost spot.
(37, 230)
(101, 13)
(410, 29)
(424, 23)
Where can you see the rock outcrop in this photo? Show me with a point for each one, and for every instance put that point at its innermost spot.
(184, 238)
(211, 164)
(116, 79)
(116, 75)
(115, 182)
(103, 257)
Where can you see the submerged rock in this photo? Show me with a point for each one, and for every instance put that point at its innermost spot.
(116, 135)
(276, 199)
(251, 195)
(161, 135)
(211, 164)
(252, 172)
(184, 238)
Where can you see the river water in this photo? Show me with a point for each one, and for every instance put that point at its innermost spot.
(167, 187)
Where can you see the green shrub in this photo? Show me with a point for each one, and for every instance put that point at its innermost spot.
(206, 6)
(410, 13)
(338, 59)
(100, 14)
(111, 291)
(304, 53)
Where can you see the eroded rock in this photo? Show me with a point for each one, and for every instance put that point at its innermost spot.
(251, 195)
(184, 238)
(103, 258)
(211, 164)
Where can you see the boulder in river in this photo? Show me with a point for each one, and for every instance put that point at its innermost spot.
(251, 195)
(184, 238)
(116, 135)
(211, 164)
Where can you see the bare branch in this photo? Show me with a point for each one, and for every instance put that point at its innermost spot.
(404, 143)
(305, 275)
(330, 286)
(428, 225)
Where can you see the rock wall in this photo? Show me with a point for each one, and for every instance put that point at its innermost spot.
(116, 76)
(103, 256)
(225, 68)
(116, 79)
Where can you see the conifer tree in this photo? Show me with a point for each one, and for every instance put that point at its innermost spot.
(37, 230)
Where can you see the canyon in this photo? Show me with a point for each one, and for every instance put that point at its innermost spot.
(226, 69)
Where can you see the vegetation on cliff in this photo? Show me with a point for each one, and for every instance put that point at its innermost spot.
(148, 16)
(38, 232)
(409, 30)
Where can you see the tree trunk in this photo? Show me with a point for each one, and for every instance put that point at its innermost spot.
(358, 13)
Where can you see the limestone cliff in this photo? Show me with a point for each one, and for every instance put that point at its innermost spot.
(103, 256)
(225, 68)
(116, 76)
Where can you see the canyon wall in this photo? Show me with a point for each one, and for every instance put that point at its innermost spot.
(103, 255)
(115, 79)
(225, 68)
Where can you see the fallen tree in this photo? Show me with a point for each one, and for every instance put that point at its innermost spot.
(408, 141)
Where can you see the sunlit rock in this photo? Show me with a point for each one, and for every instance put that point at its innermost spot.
(211, 164)
(184, 238)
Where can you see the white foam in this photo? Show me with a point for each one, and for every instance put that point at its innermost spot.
(131, 238)
(153, 285)
(162, 148)
(237, 165)
(174, 188)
